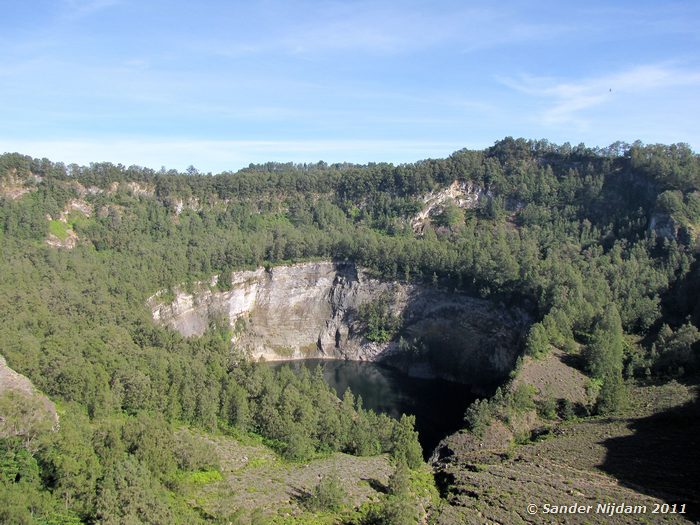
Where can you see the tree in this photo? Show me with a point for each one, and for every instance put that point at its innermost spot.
(328, 494)
(70, 462)
(235, 408)
(400, 480)
(478, 416)
(400, 506)
(604, 356)
(450, 215)
(382, 325)
(406, 448)
(537, 341)
(675, 349)
(24, 416)
(605, 351)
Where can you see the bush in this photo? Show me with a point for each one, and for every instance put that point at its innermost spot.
(328, 495)
(521, 400)
(548, 407)
(478, 416)
(567, 411)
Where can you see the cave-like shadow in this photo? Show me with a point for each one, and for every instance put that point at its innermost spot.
(662, 457)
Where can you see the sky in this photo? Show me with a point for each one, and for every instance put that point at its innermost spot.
(221, 84)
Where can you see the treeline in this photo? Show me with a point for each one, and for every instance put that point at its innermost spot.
(582, 216)
(535, 172)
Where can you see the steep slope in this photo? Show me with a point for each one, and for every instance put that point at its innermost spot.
(24, 412)
(643, 458)
(312, 310)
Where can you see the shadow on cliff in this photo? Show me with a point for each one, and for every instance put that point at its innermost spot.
(662, 457)
(460, 338)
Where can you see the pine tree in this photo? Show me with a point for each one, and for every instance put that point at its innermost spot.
(605, 360)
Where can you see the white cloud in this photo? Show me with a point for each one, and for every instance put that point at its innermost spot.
(567, 102)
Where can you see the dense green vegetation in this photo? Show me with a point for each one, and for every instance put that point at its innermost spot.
(380, 324)
(563, 232)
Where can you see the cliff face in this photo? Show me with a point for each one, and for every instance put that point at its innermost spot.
(311, 310)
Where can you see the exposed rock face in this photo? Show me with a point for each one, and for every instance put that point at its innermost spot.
(463, 194)
(139, 189)
(180, 205)
(311, 310)
(664, 225)
(14, 186)
(71, 239)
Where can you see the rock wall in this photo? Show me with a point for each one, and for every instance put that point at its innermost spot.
(310, 310)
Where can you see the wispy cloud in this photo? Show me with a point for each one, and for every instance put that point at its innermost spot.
(376, 28)
(505, 29)
(81, 8)
(310, 71)
(567, 102)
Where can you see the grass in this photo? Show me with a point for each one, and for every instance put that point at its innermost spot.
(261, 461)
(253, 476)
(59, 229)
(423, 482)
(307, 518)
(74, 220)
(204, 477)
(283, 351)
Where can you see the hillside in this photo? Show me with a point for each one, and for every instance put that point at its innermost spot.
(589, 253)
(643, 456)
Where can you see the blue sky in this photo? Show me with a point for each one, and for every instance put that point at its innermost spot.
(222, 84)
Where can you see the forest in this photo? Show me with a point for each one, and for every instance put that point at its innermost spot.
(599, 245)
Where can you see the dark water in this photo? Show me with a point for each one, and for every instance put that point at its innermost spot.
(438, 405)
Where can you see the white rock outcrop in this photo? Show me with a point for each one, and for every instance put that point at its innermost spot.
(463, 194)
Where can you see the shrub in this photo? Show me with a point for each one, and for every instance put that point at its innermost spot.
(328, 495)
(478, 416)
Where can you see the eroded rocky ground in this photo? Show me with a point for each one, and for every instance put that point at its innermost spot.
(254, 477)
(646, 457)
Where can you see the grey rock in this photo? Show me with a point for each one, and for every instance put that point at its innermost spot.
(310, 310)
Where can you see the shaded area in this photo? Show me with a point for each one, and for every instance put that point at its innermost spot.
(662, 457)
(438, 405)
